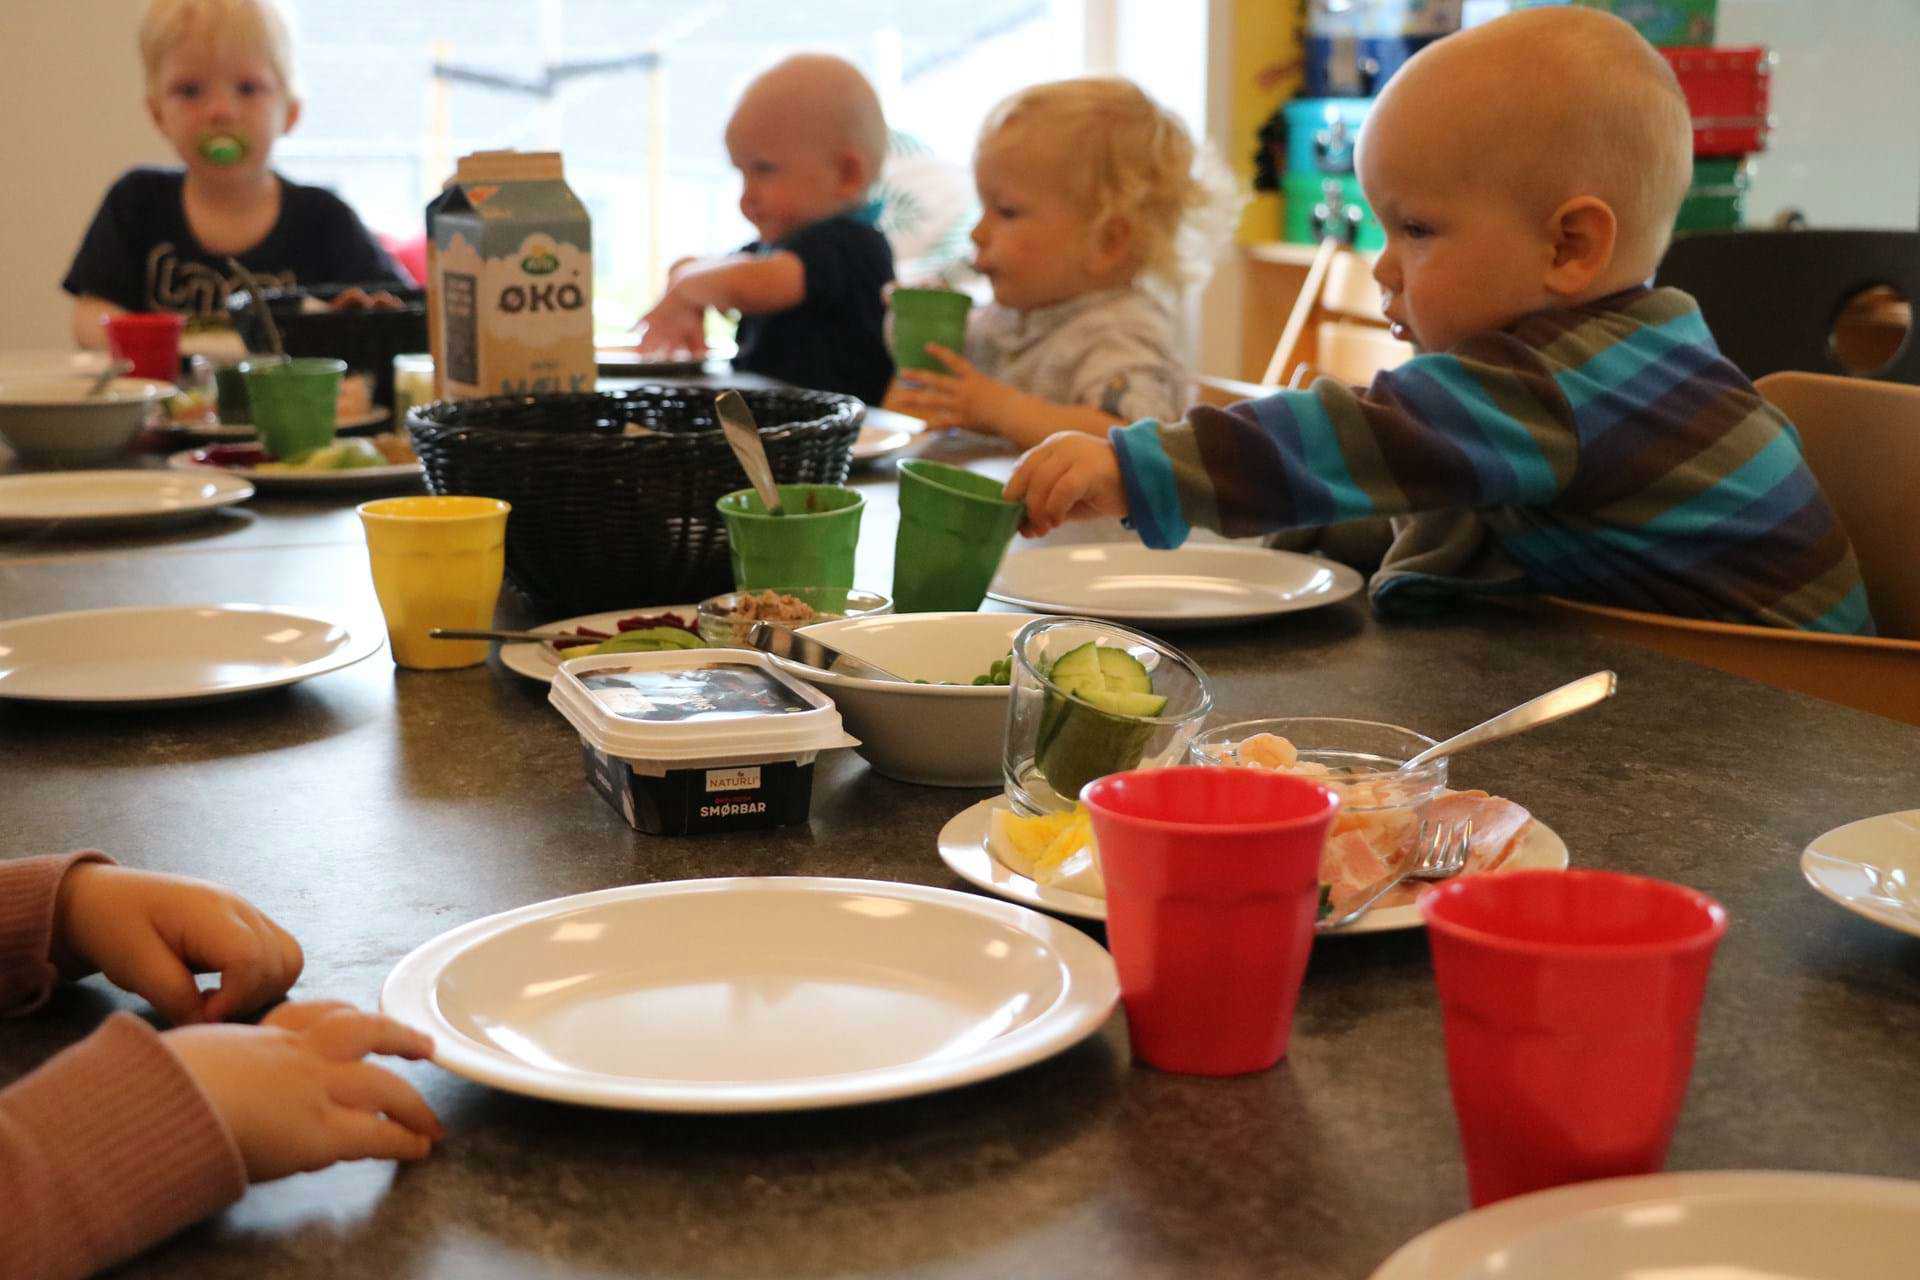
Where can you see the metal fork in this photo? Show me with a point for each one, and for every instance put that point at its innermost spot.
(1439, 851)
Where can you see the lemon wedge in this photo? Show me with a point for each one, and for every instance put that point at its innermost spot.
(1020, 842)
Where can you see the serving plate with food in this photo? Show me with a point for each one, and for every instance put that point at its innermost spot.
(1051, 861)
(359, 462)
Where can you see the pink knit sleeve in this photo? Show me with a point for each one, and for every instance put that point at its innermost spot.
(28, 889)
(105, 1150)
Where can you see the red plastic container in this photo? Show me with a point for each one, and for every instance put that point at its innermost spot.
(1571, 1001)
(1213, 886)
(1728, 93)
(149, 340)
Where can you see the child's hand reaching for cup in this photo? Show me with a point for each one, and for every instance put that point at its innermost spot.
(296, 1095)
(961, 397)
(149, 933)
(1067, 476)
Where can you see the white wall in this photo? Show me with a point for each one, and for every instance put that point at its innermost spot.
(1846, 150)
(72, 101)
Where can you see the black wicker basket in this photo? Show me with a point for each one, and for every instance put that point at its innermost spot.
(613, 493)
(366, 339)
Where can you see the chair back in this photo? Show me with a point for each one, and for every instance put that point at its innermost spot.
(1772, 298)
(1339, 296)
(1862, 442)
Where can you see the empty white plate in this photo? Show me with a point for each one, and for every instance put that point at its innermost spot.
(1872, 868)
(963, 847)
(169, 655)
(110, 499)
(1680, 1226)
(1201, 584)
(758, 994)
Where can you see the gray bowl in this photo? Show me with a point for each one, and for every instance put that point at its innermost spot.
(50, 419)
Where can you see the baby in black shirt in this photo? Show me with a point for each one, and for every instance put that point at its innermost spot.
(808, 137)
(220, 90)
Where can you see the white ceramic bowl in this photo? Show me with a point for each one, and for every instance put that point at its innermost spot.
(51, 419)
(938, 735)
(51, 364)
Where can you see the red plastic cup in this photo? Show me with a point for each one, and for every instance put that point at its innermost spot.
(1213, 885)
(149, 340)
(1571, 1001)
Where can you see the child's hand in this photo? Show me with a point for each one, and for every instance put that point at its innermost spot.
(295, 1094)
(673, 326)
(1067, 476)
(149, 933)
(962, 397)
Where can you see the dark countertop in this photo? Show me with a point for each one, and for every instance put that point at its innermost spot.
(372, 809)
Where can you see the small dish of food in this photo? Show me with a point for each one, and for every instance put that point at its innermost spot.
(725, 618)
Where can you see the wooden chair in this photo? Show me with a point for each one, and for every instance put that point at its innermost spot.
(1779, 300)
(1862, 441)
(1336, 327)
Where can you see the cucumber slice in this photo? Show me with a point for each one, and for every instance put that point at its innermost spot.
(1099, 726)
(649, 640)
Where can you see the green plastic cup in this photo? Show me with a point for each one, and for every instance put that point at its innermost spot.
(230, 385)
(293, 404)
(954, 528)
(809, 546)
(921, 316)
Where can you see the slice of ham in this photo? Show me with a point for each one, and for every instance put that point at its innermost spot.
(1360, 852)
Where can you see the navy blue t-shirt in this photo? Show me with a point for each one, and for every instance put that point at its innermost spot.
(141, 254)
(833, 340)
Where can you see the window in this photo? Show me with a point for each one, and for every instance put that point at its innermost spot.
(635, 93)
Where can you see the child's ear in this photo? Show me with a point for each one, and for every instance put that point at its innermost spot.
(1113, 243)
(1584, 233)
(850, 170)
(293, 116)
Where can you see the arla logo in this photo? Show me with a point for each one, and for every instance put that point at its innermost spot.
(540, 264)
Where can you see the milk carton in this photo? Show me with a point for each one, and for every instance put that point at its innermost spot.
(509, 279)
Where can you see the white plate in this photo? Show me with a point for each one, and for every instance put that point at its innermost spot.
(170, 655)
(1680, 1226)
(761, 994)
(963, 847)
(1202, 584)
(390, 476)
(1872, 868)
(110, 499)
(221, 432)
(884, 433)
(537, 661)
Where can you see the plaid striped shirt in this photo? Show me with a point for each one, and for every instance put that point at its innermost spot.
(1612, 450)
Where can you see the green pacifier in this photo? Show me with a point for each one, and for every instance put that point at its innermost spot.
(223, 148)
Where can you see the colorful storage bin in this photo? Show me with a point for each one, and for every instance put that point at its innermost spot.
(1322, 133)
(1717, 200)
(1319, 205)
(1728, 92)
(1662, 22)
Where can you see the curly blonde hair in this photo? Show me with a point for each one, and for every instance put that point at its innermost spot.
(257, 26)
(1120, 155)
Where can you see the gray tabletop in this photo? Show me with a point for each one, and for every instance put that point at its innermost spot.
(372, 809)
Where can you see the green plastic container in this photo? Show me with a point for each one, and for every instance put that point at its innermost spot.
(1717, 199)
(1319, 204)
(811, 545)
(954, 528)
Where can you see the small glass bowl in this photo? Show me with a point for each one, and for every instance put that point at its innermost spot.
(720, 622)
(1362, 757)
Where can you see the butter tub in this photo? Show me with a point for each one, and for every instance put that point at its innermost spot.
(692, 741)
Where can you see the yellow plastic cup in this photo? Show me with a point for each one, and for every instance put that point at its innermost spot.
(436, 562)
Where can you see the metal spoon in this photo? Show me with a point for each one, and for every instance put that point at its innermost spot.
(1545, 709)
(113, 370)
(737, 422)
(785, 642)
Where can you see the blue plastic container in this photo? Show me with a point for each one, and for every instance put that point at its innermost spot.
(1356, 66)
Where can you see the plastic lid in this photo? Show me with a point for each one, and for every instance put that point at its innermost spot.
(709, 705)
